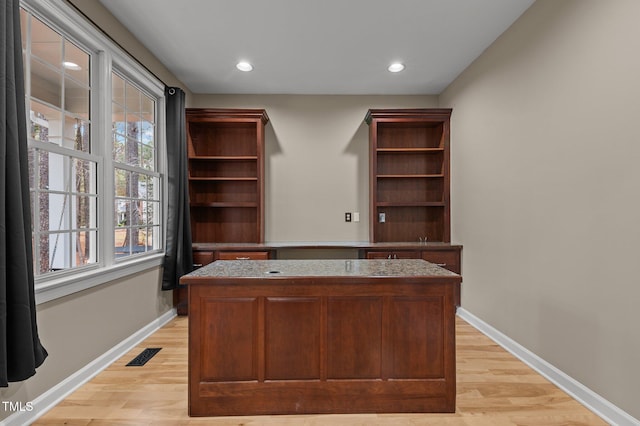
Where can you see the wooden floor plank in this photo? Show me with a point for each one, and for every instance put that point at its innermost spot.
(493, 389)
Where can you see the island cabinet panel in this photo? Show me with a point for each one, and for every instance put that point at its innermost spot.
(231, 353)
(291, 324)
(272, 343)
(417, 347)
(354, 337)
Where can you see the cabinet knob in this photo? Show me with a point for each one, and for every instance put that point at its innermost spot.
(242, 258)
(197, 265)
(441, 264)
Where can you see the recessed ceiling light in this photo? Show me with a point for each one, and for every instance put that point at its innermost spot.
(396, 67)
(71, 66)
(244, 66)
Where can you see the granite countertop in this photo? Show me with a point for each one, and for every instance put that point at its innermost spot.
(321, 268)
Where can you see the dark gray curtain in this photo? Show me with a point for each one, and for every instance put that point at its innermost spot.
(20, 349)
(178, 258)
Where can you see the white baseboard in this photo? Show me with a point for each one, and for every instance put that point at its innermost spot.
(57, 393)
(594, 402)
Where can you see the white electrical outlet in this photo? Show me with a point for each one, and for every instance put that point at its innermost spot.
(356, 216)
(382, 217)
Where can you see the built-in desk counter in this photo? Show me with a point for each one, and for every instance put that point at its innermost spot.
(321, 336)
(443, 254)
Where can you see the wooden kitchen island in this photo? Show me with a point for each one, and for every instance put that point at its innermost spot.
(321, 336)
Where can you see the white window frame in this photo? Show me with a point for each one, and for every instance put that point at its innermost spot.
(105, 57)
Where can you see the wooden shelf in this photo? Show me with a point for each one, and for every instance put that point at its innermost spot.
(409, 175)
(409, 150)
(224, 204)
(220, 178)
(411, 204)
(223, 158)
(226, 174)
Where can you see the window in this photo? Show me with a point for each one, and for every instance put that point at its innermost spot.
(137, 203)
(94, 142)
(63, 171)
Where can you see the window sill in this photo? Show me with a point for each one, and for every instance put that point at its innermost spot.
(64, 286)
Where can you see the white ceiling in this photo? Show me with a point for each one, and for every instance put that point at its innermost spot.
(317, 46)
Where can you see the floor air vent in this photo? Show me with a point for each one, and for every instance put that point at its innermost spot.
(144, 356)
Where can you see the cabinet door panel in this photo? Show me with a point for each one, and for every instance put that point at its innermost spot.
(354, 341)
(417, 337)
(229, 336)
(292, 340)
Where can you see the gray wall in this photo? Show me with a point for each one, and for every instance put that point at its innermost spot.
(546, 189)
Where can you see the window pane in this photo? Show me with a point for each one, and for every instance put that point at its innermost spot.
(76, 98)
(132, 152)
(147, 109)
(54, 172)
(117, 87)
(32, 153)
(142, 186)
(84, 248)
(144, 213)
(152, 184)
(117, 118)
(148, 162)
(76, 63)
(76, 132)
(133, 126)
(46, 123)
(141, 241)
(84, 207)
(58, 217)
(153, 213)
(121, 213)
(58, 253)
(133, 98)
(46, 44)
(147, 132)
(84, 173)
(46, 83)
(118, 147)
(122, 184)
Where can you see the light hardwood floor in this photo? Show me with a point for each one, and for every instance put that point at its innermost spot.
(493, 389)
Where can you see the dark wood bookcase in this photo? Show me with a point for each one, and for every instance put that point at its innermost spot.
(409, 175)
(226, 174)
(226, 183)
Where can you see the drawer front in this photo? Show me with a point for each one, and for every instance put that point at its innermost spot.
(396, 254)
(243, 255)
(379, 255)
(201, 258)
(448, 259)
